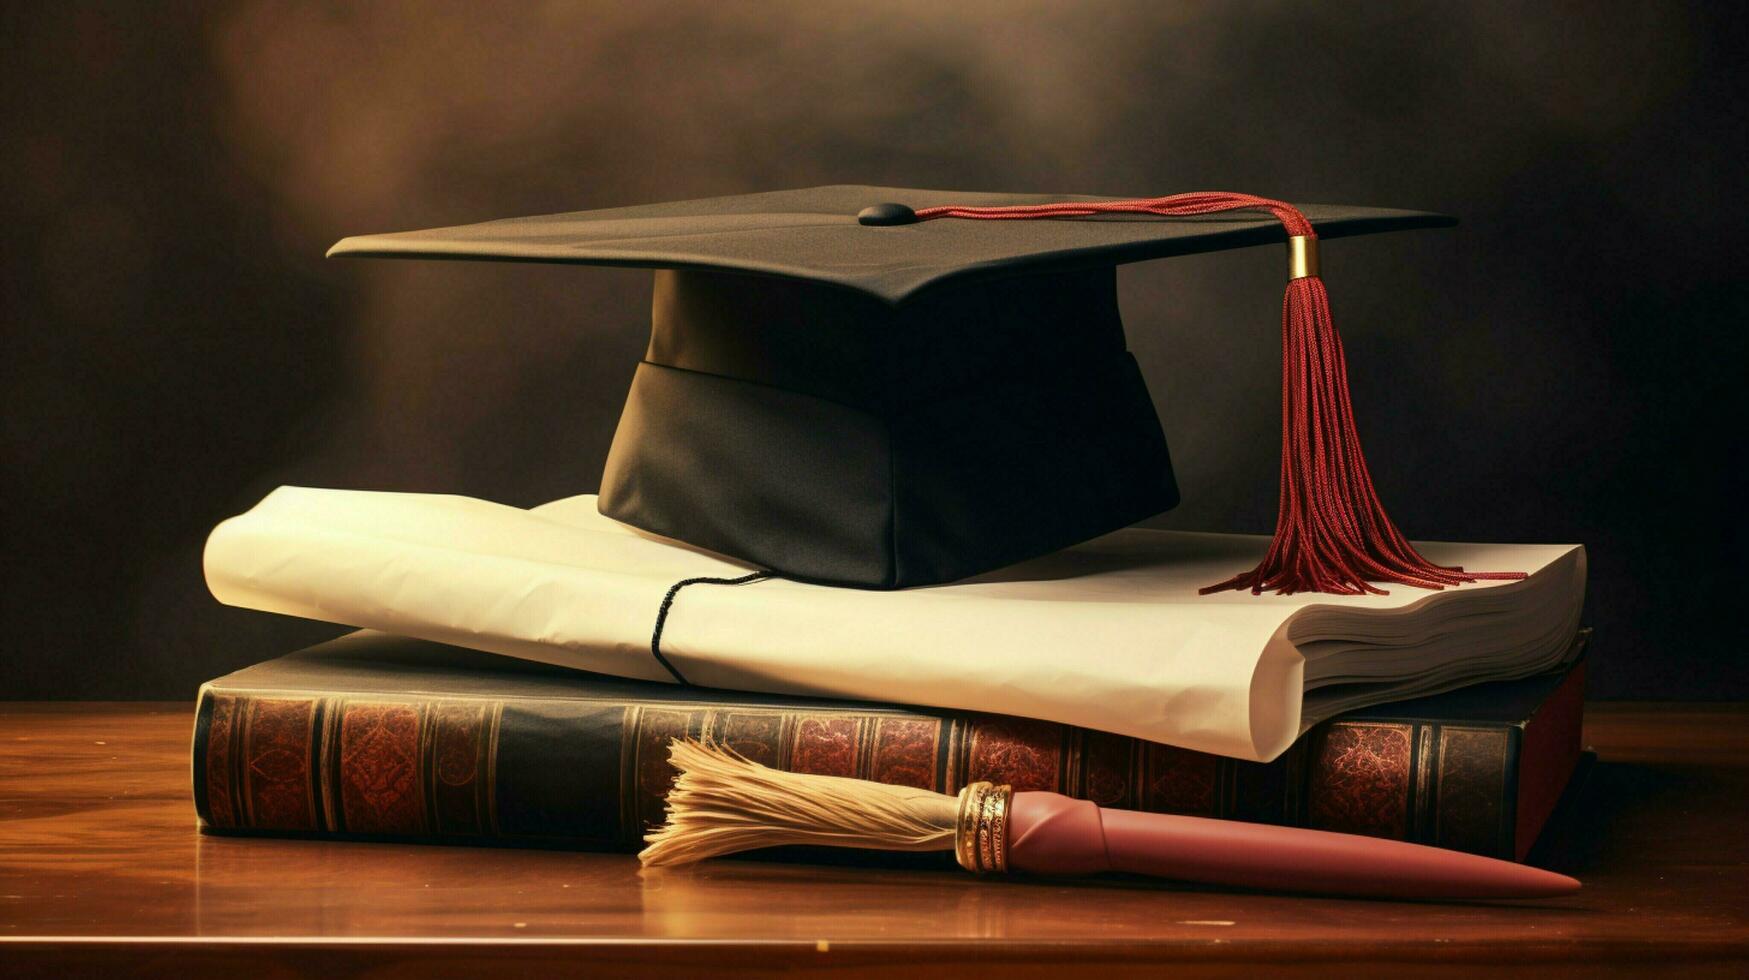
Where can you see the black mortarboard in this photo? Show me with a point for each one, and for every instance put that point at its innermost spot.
(841, 389)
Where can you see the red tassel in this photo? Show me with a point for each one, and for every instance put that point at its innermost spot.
(1331, 531)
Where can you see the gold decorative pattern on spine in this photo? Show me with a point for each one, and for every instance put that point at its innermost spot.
(981, 836)
(1302, 256)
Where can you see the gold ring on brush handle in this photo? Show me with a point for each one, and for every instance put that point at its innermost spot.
(987, 833)
(981, 832)
(965, 837)
(1000, 799)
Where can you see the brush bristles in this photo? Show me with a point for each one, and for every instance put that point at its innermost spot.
(723, 803)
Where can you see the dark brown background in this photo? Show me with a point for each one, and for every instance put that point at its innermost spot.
(1565, 366)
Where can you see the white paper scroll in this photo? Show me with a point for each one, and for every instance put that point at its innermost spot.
(1109, 635)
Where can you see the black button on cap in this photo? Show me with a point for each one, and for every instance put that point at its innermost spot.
(886, 214)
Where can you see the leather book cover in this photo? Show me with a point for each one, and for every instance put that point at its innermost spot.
(379, 737)
(1479, 769)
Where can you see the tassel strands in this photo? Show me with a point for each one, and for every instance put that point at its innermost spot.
(1332, 533)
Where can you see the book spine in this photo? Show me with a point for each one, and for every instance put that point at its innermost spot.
(1420, 781)
(593, 774)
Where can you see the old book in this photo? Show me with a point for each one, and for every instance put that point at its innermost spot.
(375, 736)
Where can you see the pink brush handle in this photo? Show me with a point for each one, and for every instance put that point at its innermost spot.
(1052, 834)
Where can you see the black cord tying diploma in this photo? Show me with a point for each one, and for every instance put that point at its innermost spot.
(668, 603)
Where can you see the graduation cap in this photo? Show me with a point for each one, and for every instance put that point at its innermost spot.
(887, 387)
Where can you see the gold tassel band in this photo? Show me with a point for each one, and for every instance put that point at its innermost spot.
(980, 842)
(1302, 256)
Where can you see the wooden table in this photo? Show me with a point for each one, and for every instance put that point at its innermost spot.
(101, 867)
